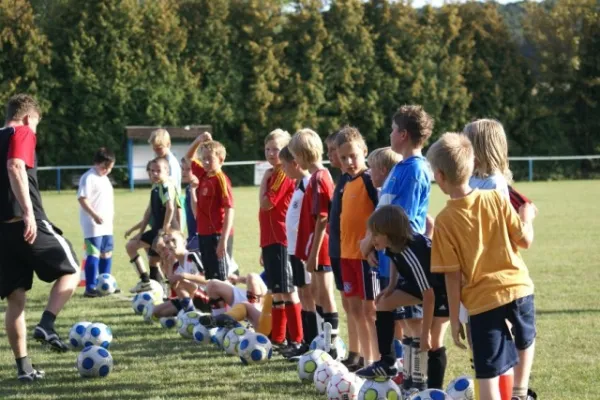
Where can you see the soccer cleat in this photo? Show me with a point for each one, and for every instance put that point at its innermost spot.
(117, 291)
(378, 369)
(50, 338)
(226, 321)
(531, 395)
(31, 376)
(278, 347)
(208, 321)
(91, 293)
(141, 287)
(294, 349)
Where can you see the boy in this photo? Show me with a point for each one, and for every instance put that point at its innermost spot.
(312, 245)
(275, 193)
(407, 185)
(96, 214)
(410, 255)
(358, 202)
(214, 211)
(475, 244)
(162, 207)
(190, 204)
(160, 140)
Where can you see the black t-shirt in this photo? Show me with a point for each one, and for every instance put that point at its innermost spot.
(18, 142)
(335, 213)
(160, 194)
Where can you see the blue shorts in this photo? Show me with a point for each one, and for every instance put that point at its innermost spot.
(192, 243)
(97, 245)
(494, 349)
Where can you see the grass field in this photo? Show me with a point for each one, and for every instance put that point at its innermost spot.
(154, 363)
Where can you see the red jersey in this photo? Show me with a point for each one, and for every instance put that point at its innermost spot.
(272, 221)
(316, 202)
(214, 196)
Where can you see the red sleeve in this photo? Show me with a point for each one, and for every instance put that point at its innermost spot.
(322, 194)
(226, 191)
(22, 145)
(197, 168)
(279, 186)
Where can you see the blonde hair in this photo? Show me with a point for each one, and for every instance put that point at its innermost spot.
(383, 158)
(216, 148)
(453, 155)
(307, 144)
(160, 137)
(349, 134)
(490, 146)
(279, 135)
(391, 221)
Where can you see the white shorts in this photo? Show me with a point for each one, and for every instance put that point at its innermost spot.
(463, 314)
(239, 295)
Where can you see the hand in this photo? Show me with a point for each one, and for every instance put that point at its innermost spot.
(372, 259)
(30, 232)
(425, 340)
(260, 261)
(128, 232)
(383, 294)
(221, 248)
(311, 264)
(205, 137)
(233, 279)
(458, 333)
(174, 278)
(98, 219)
(528, 212)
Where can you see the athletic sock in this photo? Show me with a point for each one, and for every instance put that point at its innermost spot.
(47, 321)
(334, 320)
(353, 358)
(313, 328)
(155, 273)
(238, 312)
(91, 272)
(520, 393)
(505, 383)
(138, 267)
(105, 265)
(293, 312)
(186, 304)
(24, 365)
(384, 324)
(436, 368)
(279, 322)
(265, 320)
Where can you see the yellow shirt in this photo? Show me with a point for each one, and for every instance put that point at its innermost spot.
(477, 236)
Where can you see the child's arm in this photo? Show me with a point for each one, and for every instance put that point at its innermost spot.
(392, 285)
(199, 279)
(317, 241)
(453, 281)
(428, 305)
(227, 225)
(263, 201)
(191, 152)
(194, 196)
(527, 213)
(85, 204)
(170, 212)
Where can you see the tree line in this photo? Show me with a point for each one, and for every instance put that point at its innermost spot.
(249, 66)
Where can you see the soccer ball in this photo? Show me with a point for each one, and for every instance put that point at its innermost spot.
(97, 334)
(148, 313)
(430, 394)
(94, 361)
(76, 334)
(140, 300)
(461, 388)
(379, 389)
(157, 291)
(201, 334)
(220, 337)
(344, 386)
(186, 322)
(232, 340)
(324, 372)
(255, 348)
(338, 344)
(308, 363)
(213, 334)
(168, 322)
(107, 284)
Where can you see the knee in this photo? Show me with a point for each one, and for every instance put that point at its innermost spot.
(16, 300)
(106, 255)
(368, 308)
(211, 289)
(132, 247)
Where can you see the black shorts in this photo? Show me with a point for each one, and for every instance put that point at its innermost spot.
(300, 277)
(278, 268)
(50, 256)
(336, 268)
(214, 267)
(148, 237)
(440, 308)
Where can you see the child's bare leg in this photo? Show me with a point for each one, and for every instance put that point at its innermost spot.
(166, 309)
(185, 291)
(368, 311)
(489, 389)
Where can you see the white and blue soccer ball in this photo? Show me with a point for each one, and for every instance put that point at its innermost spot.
(308, 363)
(461, 388)
(186, 322)
(94, 361)
(430, 394)
(98, 334)
(76, 334)
(107, 284)
(157, 291)
(255, 348)
(219, 337)
(213, 334)
(148, 314)
(168, 322)
(325, 372)
(232, 340)
(344, 386)
(140, 300)
(339, 345)
(379, 389)
(201, 334)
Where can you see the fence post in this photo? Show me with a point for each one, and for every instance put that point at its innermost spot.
(58, 180)
(130, 162)
(530, 170)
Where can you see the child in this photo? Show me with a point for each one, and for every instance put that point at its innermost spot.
(312, 243)
(160, 140)
(190, 204)
(96, 214)
(410, 255)
(214, 211)
(163, 205)
(475, 243)
(301, 278)
(275, 193)
(407, 185)
(359, 200)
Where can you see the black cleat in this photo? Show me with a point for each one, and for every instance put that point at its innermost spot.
(91, 293)
(31, 376)
(51, 338)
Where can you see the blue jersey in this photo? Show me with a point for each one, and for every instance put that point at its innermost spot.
(335, 212)
(189, 213)
(407, 185)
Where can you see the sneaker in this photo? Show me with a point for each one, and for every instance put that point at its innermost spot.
(208, 321)
(377, 369)
(141, 287)
(353, 364)
(91, 293)
(49, 337)
(294, 349)
(333, 353)
(226, 321)
(117, 291)
(31, 376)
(531, 395)
(278, 347)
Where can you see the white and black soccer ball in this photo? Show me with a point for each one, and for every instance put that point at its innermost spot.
(140, 300)
(107, 284)
(339, 345)
(344, 386)
(255, 348)
(157, 291)
(308, 363)
(213, 334)
(325, 372)
(232, 340)
(430, 394)
(201, 334)
(98, 334)
(94, 361)
(148, 314)
(186, 322)
(168, 322)
(461, 388)
(379, 389)
(219, 337)
(76, 334)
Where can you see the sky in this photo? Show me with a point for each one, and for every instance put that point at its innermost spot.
(436, 3)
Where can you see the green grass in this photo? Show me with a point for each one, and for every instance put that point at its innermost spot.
(154, 363)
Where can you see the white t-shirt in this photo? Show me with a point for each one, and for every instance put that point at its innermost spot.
(175, 170)
(192, 264)
(100, 195)
(292, 216)
(492, 182)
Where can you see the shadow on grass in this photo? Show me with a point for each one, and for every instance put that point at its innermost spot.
(568, 311)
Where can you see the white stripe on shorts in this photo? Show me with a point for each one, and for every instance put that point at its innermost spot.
(63, 244)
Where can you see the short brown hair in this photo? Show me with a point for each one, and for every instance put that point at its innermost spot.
(416, 122)
(278, 135)
(453, 155)
(383, 157)
(19, 105)
(162, 160)
(286, 155)
(331, 137)
(392, 222)
(349, 134)
(215, 147)
(307, 144)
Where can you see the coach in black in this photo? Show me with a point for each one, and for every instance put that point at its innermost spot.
(28, 241)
